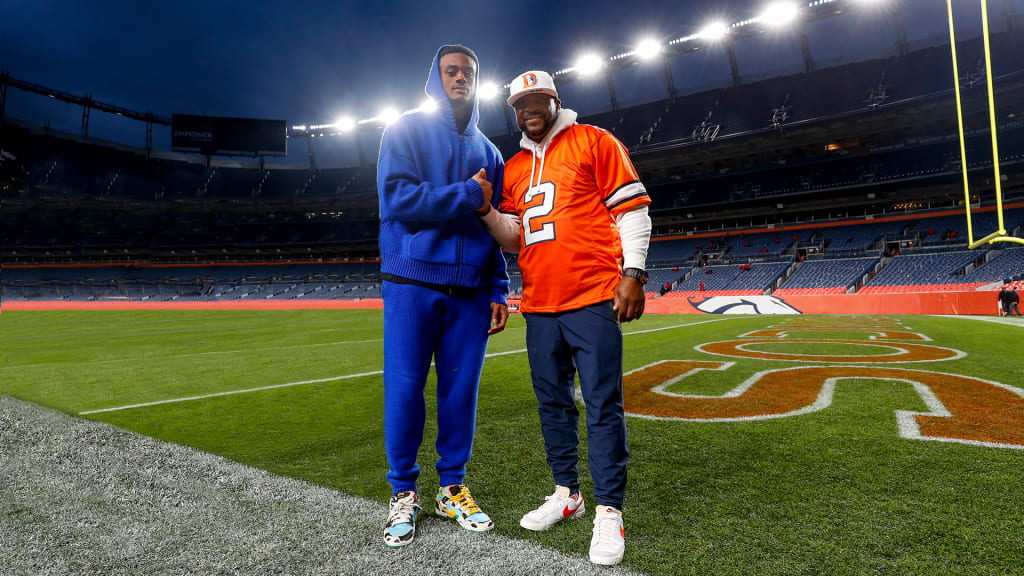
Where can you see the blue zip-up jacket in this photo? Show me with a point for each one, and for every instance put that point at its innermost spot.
(428, 229)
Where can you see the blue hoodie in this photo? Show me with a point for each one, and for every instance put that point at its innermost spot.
(428, 229)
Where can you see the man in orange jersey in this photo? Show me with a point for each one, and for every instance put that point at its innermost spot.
(574, 209)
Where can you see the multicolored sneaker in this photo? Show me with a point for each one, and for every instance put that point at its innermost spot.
(456, 502)
(609, 541)
(400, 528)
(559, 506)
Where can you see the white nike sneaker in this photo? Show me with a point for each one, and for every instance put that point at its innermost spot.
(557, 507)
(609, 541)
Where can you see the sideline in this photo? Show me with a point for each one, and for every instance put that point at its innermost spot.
(88, 497)
(1004, 320)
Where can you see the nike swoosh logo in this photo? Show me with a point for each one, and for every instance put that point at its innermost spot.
(569, 511)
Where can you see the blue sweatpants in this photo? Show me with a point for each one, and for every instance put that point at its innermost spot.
(421, 324)
(587, 340)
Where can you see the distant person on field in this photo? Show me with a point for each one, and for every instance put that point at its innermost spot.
(445, 287)
(1013, 299)
(1004, 302)
(574, 209)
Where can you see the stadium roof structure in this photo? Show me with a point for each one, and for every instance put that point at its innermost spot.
(774, 15)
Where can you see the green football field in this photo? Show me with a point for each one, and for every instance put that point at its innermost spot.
(738, 481)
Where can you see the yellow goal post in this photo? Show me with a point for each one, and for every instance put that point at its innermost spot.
(999, 235)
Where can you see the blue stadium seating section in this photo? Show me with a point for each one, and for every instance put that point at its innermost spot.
(834, 273)
(658, 277)
(916, 269)
(673, 251)
(858, 238)
(850, 251)
(953, 229)
(756, 245)
(195, 283)
(760, 277)
(1007, 264)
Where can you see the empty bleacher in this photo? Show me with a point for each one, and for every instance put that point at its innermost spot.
(756, 245)
(338, 280)
(731, 279)
(832, 276)
(1004, 264)
(921, 272)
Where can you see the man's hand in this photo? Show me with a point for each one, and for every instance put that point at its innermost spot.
(629, 299)
(481, 179)
(499, 316)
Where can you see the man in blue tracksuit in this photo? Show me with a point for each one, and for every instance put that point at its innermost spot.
(445, 286)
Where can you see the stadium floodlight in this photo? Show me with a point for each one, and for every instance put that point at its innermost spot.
(647, 49)
(387, 116)
(428, 106)
(779, 14)
(713, 31)
(589, 64)
(488, 91)
(345, 124)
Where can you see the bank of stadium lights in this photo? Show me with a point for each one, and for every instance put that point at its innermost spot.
(588, 65)
(345, 124)
(387, 116)
(488, 91)
(774, 15)
(778, 14)
(713, 31)
(648, 49)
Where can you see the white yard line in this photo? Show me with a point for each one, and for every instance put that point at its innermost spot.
(190, 355)
(347, 376)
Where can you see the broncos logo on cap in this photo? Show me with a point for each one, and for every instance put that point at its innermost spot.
(529, 80)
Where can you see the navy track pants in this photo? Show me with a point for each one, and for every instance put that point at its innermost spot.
(588, 341)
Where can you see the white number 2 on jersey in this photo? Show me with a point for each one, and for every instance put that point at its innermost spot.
(547, 230)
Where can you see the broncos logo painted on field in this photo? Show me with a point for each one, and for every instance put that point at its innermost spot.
(742, 305)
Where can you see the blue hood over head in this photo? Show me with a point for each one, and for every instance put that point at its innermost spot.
(429, 230)
(435, 91)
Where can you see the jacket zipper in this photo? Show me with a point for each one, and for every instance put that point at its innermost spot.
(458, 250)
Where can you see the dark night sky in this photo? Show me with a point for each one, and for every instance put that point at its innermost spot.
(310, 62)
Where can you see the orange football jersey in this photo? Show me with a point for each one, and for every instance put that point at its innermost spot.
(570, 254)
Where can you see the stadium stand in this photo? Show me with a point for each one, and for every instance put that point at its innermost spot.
(922, 272)
(833, 276)
(755, 245)
(859, 238)
(730, 280)
(1002, 264)
(194, 283)
(672, 251)
(711, 159)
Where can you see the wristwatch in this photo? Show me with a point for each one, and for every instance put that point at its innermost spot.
(636, 274)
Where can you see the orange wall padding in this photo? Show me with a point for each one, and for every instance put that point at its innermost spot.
(981, 303)
(366, 303)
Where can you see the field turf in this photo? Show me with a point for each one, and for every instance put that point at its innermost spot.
(836, 491)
